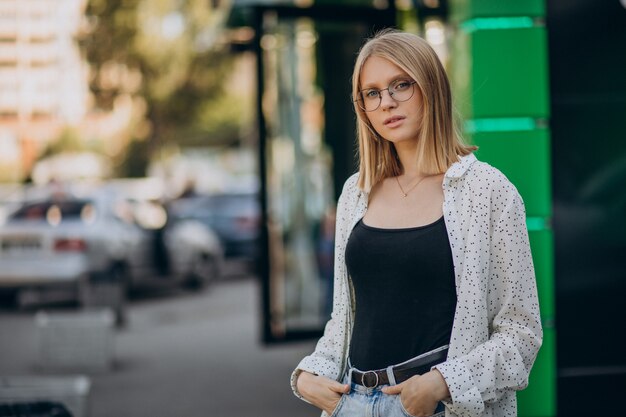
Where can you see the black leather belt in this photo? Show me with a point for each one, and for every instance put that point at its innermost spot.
(416, 366)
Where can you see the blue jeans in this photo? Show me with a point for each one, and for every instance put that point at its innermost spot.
(372, 402)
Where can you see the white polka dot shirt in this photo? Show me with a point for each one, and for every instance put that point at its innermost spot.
(496, 332)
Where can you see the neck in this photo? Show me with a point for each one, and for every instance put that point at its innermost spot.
(407, 153)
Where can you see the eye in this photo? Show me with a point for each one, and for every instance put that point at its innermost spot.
(371, 94)
(401, 85)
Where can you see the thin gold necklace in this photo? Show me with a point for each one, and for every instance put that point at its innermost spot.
(406, 193)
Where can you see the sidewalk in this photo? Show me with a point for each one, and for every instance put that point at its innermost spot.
(191, 355)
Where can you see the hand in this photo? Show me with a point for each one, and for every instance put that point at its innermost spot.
(322, 392)
(420, 394)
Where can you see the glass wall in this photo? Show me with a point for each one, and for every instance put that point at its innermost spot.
(300, 194)
(308, 150)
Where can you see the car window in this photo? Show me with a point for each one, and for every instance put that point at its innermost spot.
(55, 212)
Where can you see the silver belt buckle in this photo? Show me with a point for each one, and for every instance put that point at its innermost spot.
(365, 383)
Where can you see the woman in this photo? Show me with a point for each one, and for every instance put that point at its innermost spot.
(435, 306)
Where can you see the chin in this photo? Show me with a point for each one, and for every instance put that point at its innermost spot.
(396, 139)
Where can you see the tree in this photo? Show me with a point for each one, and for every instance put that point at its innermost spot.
(165, 54)
(109, 48)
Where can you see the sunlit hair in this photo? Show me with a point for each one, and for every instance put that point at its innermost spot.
(439, 139)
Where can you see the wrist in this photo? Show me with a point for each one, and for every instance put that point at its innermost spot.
(441, 391)
(303, 380)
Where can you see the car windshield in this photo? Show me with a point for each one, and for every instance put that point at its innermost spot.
(55, 212)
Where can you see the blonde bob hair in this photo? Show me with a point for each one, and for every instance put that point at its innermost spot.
(439, 142)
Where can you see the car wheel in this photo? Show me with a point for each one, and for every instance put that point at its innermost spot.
(204, 270)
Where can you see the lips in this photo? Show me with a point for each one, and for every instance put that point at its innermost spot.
(393, 119)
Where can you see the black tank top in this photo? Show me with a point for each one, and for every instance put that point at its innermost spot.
(404, 290)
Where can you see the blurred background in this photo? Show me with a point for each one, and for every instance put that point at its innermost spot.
(169, 171)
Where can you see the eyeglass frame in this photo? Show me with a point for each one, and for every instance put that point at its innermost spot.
(380, 96)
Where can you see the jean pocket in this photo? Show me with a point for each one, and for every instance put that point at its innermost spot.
(439, 411)
(339, 405)
(401, 407)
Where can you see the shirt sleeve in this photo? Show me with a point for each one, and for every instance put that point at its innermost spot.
(502, 363)
(327, 358)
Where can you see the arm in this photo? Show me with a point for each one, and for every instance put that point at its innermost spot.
(322, 392)
(327, 359)
(503, 362)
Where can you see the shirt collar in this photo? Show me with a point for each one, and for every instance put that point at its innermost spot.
(458, 169)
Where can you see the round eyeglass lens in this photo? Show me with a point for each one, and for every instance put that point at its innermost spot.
(399, 90)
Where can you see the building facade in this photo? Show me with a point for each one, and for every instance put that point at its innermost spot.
(43, 78)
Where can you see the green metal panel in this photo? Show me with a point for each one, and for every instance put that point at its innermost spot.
(524, 157)
(493, 23)
(500, 72)
(467, 9)
(499, 78)
(509, 73)
(541, 243)
(539, 399)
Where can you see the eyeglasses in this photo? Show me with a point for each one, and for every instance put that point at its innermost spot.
(399, 90)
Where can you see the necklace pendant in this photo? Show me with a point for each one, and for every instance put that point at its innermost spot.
(405, 195)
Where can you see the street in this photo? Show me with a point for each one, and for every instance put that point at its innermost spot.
(182, 354)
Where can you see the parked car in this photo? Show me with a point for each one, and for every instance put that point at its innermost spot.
(172, 248)
(235, 218)
(64, 246)
(58, 245)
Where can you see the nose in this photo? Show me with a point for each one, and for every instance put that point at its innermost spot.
(386, 100)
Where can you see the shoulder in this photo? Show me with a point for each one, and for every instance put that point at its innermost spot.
(489, 179)
(351, 182)
(347, 205)
(350, 187)
(350, 196)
